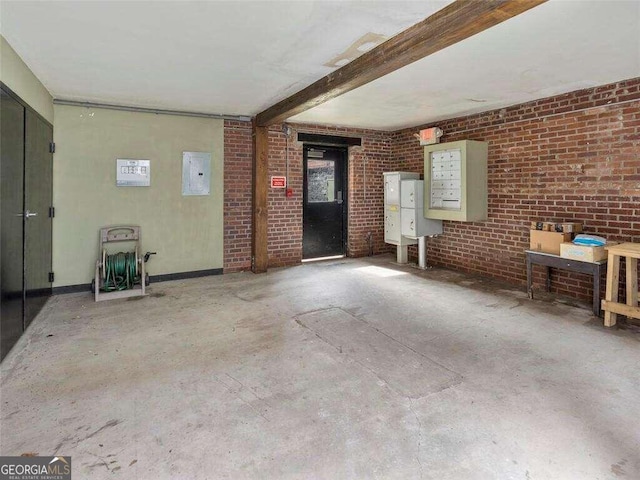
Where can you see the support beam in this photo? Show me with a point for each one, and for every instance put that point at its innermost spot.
(260, 188)
(454, 23)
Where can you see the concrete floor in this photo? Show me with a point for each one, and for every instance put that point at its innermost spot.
(346, 369)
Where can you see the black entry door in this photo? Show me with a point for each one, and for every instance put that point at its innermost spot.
(38, 181)
(11, 223)
(25, 225)
(325, 207)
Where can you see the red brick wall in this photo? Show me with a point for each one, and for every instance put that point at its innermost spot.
(365, 212)
(285, 213)
(237, 196)
(365, 190)
(573, 157)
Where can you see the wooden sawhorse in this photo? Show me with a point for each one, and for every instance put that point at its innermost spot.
(610, 304)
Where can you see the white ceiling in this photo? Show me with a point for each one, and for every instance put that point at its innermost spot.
(557, 47)
(240, 57)
(229, 57)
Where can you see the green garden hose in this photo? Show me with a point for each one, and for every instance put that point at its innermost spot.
(120, 271)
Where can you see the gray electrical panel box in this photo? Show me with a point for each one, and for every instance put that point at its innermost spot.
(455, 181)
(133, 173)
(196, 173)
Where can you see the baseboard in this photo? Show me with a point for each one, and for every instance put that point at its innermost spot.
(183, 275)
(86, 287)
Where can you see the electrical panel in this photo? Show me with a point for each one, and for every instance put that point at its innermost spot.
(455, 181)
(392, 208)
(413, 222)
(196, 173)
(133, 173)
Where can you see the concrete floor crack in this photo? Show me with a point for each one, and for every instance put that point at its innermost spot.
(415, 414)
(236, 394)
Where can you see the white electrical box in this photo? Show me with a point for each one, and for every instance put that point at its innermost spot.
(413, 223)
(196, 173)
(392, 186)
(411, 191)
(392, 208)
(455, 181)
(133, 173)
(392, 226)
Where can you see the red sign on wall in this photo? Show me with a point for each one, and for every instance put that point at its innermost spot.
(278, 182)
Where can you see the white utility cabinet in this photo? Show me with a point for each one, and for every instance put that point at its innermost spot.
(413, 223)
(455, 181)
(392, 213)
(392, 206)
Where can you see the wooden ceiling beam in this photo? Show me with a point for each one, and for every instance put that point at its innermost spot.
(454, 23)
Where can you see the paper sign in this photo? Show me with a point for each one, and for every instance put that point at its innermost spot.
(278, 182)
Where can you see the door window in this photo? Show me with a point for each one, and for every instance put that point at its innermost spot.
(321, 181)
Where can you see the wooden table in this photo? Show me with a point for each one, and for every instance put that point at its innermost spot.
(610, 304)
(549, 260)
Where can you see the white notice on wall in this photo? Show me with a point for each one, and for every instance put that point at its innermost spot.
(446, 180)
(133, 173)
(196, 173)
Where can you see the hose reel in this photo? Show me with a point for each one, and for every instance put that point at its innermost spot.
(122, 274)
(119, 271)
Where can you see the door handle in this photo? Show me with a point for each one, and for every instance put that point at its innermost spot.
(26, 214)
(339, 196)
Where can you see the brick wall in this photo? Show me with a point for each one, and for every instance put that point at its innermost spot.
(572, 157)
(237, 196)
(365, 213)
(365, 193)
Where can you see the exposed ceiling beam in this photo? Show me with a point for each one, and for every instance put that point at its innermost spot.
(454, 23)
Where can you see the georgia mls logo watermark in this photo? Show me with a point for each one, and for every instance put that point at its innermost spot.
(35, 468)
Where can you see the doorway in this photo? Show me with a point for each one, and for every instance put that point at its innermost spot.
(25, 225)
(324, 226)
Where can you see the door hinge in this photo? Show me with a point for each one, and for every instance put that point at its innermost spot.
(52, 147)
(51, 277)
(52, 212)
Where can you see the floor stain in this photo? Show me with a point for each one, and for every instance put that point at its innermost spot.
(109, 424)
(518, 304)
(617, 468)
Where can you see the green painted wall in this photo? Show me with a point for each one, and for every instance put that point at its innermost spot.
(187, 232)
(18, 77)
